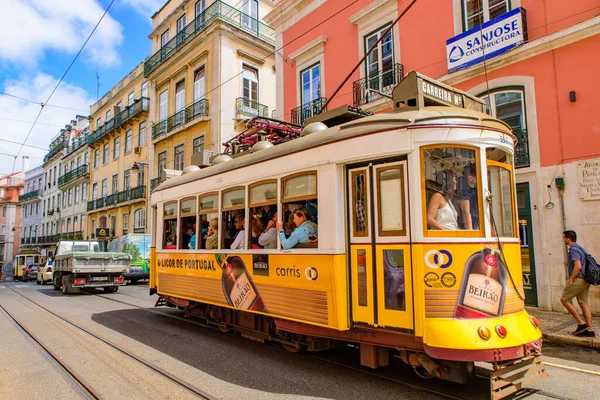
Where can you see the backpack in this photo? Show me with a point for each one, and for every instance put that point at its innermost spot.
(591, 272)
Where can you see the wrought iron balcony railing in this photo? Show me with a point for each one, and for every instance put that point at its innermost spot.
(124, 116)
(250, 108)
(77, 235)
(70, 176)
(180, 118)
(522, 148)
(59, 147)
(154, 183)
(216, 11)
(114, 199)
(76, 144)
(31, 195)
(307, 110)
(368, 89)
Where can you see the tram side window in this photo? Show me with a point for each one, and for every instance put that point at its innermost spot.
(300, 211)
(208, 229)
(187, 224)
(170, 226)
(452, 196)
(263, 215)
(233, 219)
(500, 185)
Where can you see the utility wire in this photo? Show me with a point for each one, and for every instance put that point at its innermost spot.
(60, 81)
(26, 145)
(39, 104)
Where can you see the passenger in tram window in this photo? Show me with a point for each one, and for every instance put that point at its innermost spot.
(268, 238)
(192, 243)
(212, 238)
(469, 203)
(304, 229)
(256, 228)
(186, 238)
(240, 224)
(269, 211)
(441, 213)
(170, 244)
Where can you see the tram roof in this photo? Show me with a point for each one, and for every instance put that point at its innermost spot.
(427, 116)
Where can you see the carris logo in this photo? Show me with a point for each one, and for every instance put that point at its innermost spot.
(311, 273)
(438, 259)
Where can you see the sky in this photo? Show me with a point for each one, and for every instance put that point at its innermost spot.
(40, 39)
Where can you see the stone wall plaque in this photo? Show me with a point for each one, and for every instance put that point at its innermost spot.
(588, 178)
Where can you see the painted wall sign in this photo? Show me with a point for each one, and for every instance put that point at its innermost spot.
(588, 178)
(493, 38)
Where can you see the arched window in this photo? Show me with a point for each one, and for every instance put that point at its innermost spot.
(139, 221)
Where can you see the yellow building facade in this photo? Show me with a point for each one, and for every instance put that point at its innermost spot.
(212, 67)
(119, 154)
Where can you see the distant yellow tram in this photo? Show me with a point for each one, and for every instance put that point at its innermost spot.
(404, 234)
(23, 259)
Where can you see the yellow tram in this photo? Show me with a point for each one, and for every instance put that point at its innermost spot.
(415, 250)
(23, 259)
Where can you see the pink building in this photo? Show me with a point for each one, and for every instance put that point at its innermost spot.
(534, 62)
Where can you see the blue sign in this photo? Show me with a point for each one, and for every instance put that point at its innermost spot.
(491, 39)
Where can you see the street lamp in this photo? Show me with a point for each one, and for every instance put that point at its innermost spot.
(137, 166)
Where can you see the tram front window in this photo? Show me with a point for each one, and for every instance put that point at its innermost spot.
(500, 186)
(452, 195)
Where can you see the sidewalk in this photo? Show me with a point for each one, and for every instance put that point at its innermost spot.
(557, 327)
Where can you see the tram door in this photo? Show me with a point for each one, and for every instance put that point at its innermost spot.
(381, 272)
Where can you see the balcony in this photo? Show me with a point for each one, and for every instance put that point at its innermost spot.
(31, 195)
(216, 11)
(123, 117)
(61, 145)
(154, 183)
(2, 238)
(250, 108)
(180, 118)
(114, 199)
(307, 110)
(81, 171)
(365, 90)
(50, 212)
(50, 239)
(76, 144)
(522, 148)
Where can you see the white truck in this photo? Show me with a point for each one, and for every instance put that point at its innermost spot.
(81, 264)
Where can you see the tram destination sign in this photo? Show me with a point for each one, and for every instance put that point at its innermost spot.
(491, 39)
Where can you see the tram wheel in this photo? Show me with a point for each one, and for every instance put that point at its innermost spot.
(291, 348)
(422, 372)
(223, 329)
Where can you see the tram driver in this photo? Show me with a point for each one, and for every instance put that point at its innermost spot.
(469, 198)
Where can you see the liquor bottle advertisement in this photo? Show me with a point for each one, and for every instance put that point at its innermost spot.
(238, 287)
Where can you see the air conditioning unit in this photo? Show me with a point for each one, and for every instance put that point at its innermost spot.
(137, 150)
(203, 158)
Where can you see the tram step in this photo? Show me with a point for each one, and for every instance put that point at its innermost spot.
(160, 302)
(514, 377)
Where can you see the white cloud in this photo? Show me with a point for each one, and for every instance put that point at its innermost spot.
(52, 119)
(146, 8)
(31, 27)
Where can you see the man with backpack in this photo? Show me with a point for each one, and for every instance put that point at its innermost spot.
(577, 286)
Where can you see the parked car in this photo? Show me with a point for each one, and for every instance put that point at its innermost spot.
(44, 274)
(30, 272)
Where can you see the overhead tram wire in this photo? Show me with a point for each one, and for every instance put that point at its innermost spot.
(26, 145)
(39, 104)
(60, 81)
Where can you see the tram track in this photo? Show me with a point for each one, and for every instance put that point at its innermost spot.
(72, 377)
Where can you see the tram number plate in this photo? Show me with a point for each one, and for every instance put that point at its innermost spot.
(99, 278)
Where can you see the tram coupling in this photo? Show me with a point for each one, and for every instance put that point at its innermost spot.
(509, 378)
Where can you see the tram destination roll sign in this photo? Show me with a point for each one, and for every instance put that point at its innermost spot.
(493, 38)
(588, 178)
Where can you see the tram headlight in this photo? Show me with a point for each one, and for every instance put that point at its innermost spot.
(534, 321)
(484, 333)
(501, 331)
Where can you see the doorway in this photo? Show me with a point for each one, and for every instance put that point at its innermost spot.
(526, 238)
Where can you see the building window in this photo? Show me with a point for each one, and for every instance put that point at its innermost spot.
(310, 80)
(130, 99)
(142, 134)
(84, 191)
(70, 196)
(98, 122)
(68, 225)
(139, 221)
(104, 186)
(64, 199)
(198, 145)
(476, 12)
(105, 154)
(250, 19)
(199, 84)
(117, 147)
(250, 87)
(180, 96)
(128, 140)
(163, 105)
(181, 23)
(380, 61)
(164, 38)
(200, 7)
(125, 224)
(115, 183)
(75, 227)
(141, 176)
(96, 157)
(108, 115)
(178, 159)
(76, 200)
(127, 179)
(145, 89)
(162, 162)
